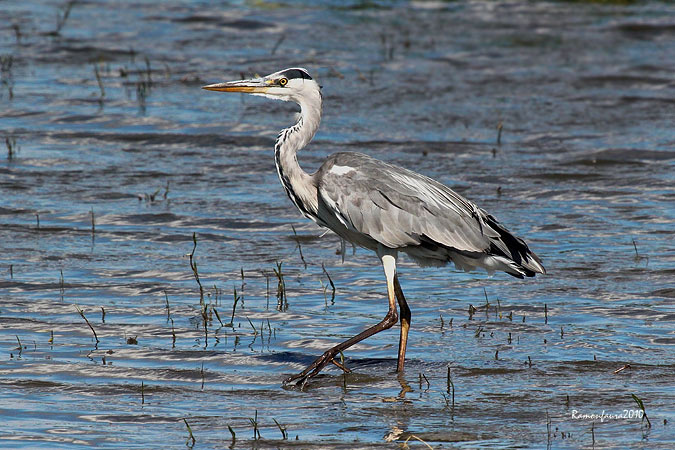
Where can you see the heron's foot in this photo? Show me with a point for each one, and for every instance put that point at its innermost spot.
(313, 370)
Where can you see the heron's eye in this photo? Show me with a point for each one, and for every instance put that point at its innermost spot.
(283, 81)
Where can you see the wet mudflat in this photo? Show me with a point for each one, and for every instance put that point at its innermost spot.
(113, 157)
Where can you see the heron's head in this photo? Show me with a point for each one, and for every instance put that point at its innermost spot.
(292, 84)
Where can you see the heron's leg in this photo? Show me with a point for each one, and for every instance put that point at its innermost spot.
(405, 324)
(389, 263)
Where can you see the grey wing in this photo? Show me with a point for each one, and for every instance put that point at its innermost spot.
(401, 209)
(398, 207)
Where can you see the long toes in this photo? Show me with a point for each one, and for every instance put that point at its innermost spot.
(297, 381)
(290, 380)
(303, 377)
(300, 380)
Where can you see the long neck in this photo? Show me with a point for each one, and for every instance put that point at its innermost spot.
(299, 185)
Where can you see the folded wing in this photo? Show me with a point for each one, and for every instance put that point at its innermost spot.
(404, 210)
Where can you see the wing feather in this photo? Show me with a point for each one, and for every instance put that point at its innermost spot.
(379, 203)
(398, 208)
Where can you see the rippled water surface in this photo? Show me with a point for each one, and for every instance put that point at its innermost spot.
(102, 116)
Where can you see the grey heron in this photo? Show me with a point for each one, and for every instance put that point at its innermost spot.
(381, 207)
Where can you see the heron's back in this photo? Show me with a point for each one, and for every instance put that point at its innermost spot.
(370, 202)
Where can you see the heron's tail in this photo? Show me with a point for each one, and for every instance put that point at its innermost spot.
(522, 260)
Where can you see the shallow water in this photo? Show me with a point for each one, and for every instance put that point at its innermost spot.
(584, 169)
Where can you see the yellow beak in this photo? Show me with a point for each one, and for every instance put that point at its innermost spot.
(248, 86)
